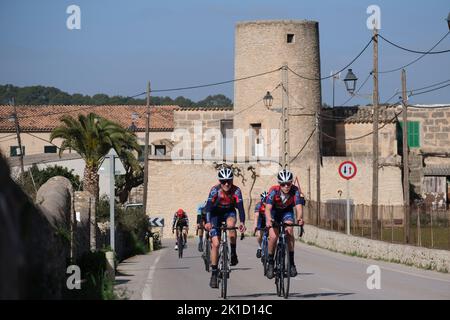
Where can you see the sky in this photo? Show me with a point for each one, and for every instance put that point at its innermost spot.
(175, 43)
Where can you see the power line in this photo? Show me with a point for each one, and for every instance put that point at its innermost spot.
(217, 83)
(307, 140)
(332, 75)
(413, 51)
(427, 91)
(414, 61)
(430, 86)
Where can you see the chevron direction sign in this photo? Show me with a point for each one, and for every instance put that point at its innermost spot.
(156, 222)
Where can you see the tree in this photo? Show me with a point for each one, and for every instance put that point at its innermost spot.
(218, 100)
(91, 137)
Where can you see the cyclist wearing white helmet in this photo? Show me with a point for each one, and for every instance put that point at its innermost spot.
(260, 221)
(280, 205)
(223, 200)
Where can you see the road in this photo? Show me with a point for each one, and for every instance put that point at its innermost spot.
(322, 275)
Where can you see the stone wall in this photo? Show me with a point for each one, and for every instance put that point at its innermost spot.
(416, 256)
(35, 240)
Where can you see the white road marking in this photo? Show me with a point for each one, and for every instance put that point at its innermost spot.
(367, 261)
(147, 293)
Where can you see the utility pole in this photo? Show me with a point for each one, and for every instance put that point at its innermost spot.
(146, 148)
(405, 160)
(19, 141)
(285, 117)
(318, 158)
(374, 229)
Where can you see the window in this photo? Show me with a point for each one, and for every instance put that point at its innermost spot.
(290, 38)
(413, 133)
(160, 150)
(256, 140)
(226, 128)
(14, 151)
(49, 149)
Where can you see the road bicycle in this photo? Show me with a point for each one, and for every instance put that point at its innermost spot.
(223, 267)
(282, 266)
(206, 255)
(180, 241)
(265, 249)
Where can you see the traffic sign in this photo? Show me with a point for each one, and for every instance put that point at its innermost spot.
(347, 170)
(156, 222)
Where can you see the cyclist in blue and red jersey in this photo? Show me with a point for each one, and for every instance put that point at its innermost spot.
(260, 221)
(223, 200)
(280, 204)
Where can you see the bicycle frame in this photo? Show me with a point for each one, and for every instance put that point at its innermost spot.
(224, 267)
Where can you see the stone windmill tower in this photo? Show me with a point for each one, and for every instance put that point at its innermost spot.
(262, 46)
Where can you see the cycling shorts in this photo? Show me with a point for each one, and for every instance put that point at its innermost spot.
(216, 221)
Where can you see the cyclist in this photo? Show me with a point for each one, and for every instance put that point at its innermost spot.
(221, 206)
(201, 219)
(280, 204)
(260, 221)
(180, 218)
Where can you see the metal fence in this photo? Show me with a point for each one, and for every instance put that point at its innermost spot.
(429, 226)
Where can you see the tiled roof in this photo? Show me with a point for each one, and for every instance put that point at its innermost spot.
(46, 118)
(360, 114)
(225, 108)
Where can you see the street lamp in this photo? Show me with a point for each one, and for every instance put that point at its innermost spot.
(268, 100)
(350, 81)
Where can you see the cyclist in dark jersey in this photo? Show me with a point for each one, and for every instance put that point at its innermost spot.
(180, 218)
(201, 220)
(260, 221)
(223, 200)
(280, 204)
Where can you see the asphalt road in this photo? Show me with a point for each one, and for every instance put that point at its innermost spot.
(322, 275)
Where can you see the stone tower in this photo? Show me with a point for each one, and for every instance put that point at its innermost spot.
(262, 46)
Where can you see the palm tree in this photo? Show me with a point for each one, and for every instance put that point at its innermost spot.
(91, 137)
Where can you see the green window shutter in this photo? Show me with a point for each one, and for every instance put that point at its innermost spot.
(413, 134)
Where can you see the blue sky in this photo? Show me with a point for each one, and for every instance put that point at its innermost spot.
(172, 43)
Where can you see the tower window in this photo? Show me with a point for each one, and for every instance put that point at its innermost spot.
(290, 38)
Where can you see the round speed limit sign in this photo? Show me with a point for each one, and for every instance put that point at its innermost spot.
(347, 170)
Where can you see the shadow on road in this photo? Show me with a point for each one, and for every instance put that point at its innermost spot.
(119, 282)
(292, 295)
(172, 268)
(233, 269)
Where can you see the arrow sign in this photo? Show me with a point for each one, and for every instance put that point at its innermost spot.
(156, 222)
(347, 170)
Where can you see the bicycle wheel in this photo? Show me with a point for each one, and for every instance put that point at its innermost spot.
(224, 271)
(180, 246)
(278, 282)
(281, 268)
(206, 257)
(287, 276)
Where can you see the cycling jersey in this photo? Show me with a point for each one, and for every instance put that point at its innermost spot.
(201, 213)
(184, 221)
(260, 211)
(284, 202)
(220, 203)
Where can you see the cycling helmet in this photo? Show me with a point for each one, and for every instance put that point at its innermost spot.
(263, 195)
(180, 213)
(285, 176)
(225, 174)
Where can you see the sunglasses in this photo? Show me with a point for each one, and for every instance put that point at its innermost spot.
(226, 182)
(288, 184)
